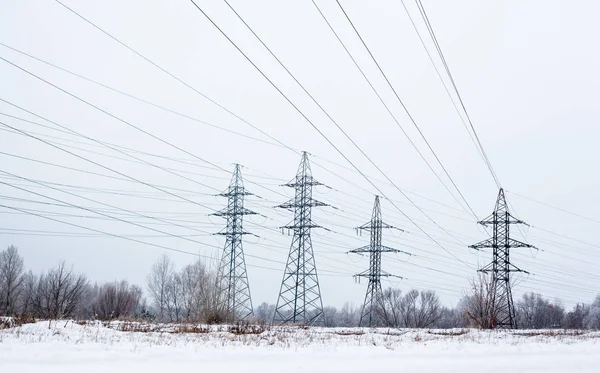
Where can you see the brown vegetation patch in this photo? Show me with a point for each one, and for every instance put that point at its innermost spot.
(13, 322)
(550, 333)
(450, 333)
(245, 328)
(349, 332)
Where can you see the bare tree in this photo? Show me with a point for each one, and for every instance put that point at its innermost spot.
(592, 319)
(116, 300)
(159, 281)
(27, 306)
(535, 312)
(11, 280)
(194, 285)
(175, 297)
(349, 315)
(89, 298)
(575, 319)
(388, 309)
(420, 309)
(330, 314)
(214, 310)
(264, 312)
(450, 318)
(408, 308)
(59, 292)
(479, 305)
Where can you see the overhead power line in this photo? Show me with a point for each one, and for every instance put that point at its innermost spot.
(555, 207)
(91, 200)
(441, 54)
(316, 102)
(189, 117)
(406, 110)
(327, 139)
(125, 179)
(183, 82)
(357, 171)
(105, 167)
(170, 74)
(437, 71)
(368, 81)
(113, 217)
(328, 273)
(158, 138)
(161, 107)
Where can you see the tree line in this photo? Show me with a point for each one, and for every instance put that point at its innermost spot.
(191, 295)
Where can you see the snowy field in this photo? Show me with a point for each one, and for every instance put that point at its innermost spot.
(69, 347)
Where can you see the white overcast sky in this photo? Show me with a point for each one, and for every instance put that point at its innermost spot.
(527, 71)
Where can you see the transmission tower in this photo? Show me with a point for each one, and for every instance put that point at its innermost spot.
(299, 298)
(233, 288)
(374, 273)
(503, 309)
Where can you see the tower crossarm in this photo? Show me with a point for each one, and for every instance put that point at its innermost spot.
(511, 268)
(497, 219)
(291, 204)
(300, 226)
(510, 242)
(380, 249)
(483, 244)
(310, 182)
(369, 226)
(361, 250)
(235, 192)
(227, 232)
(236, 212)
(372, 276)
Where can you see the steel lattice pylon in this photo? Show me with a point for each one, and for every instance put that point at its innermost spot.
(501, 267)
(374, 273)
(232, 281)
(299, 298)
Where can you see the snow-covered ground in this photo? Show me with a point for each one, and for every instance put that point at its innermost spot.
(69, 347)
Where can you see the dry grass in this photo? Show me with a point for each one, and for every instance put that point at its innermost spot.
(349, 332)
(13, 322)
(550, 333)
(242, 328)
(190, 328)
(450, 333)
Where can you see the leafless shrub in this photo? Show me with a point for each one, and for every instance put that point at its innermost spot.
(117, 300)
(479, 305)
